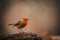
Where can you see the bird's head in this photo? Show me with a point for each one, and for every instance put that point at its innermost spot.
(25, 19)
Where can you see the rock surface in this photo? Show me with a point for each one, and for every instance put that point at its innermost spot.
(23, 36)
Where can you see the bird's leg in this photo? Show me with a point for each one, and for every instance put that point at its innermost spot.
(23, 34)
(18, 30)
(22, 31)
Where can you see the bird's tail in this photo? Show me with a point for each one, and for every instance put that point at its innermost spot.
(10, 24)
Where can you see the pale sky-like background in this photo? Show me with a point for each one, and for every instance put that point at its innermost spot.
(42, 16)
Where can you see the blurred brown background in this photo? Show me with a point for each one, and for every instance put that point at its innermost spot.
(42, 14)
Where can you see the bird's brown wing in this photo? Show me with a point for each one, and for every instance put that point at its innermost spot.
(17, 23)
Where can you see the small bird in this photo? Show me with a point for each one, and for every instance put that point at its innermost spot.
(21, 24)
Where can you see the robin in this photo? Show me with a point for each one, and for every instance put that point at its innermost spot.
(21, 24)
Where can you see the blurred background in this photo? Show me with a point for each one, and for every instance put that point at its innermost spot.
(44, 16)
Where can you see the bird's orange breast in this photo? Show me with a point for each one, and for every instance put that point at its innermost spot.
(24, 23)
